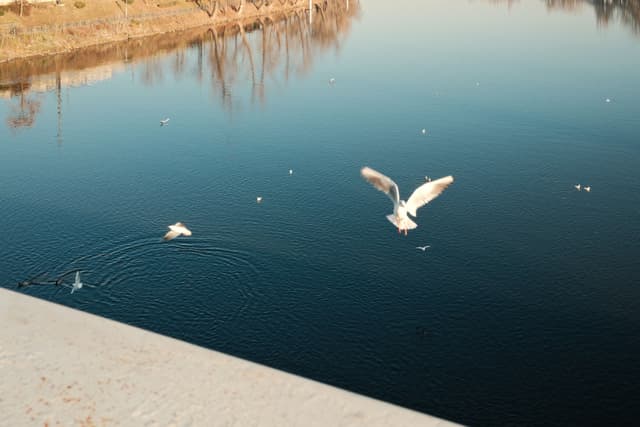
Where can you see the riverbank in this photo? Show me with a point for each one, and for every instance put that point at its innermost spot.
(50, 29)
(60, 366)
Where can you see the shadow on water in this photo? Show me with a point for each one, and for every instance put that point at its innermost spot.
(270, 47)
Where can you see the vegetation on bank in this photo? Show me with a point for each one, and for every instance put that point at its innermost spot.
(49, 28)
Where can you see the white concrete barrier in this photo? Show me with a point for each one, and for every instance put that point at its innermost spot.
(60, 366)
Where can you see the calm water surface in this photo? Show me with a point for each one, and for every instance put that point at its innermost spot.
(524, 311)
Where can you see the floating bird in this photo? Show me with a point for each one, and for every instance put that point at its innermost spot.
(424, 131)
(577, 187)
(258, 199)
(420, 197)
(423, 248)
(427, 178)
(587, 189)
(608, 100)
(290, 171)
(164, 122)
(332, 81)
(176, 230)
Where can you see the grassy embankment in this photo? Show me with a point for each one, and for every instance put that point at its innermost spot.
(50, 29)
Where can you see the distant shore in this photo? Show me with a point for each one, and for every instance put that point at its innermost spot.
(51, 29)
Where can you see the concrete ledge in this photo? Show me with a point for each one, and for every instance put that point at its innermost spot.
(60, 366)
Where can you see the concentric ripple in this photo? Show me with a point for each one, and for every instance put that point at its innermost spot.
(151, 277)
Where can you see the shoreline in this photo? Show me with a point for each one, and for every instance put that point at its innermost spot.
(38, 36)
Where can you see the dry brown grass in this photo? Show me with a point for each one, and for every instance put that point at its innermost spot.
(103, 29)
(104, 23)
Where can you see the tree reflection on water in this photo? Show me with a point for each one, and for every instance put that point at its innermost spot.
(269, 48)
(23, 112)
(607, 11)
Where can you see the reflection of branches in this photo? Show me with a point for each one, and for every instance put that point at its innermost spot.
(24, 113)
(261, 50)
(277, 44)
(284, 43)
(626, 11)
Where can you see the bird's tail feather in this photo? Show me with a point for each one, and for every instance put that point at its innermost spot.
(405, 223)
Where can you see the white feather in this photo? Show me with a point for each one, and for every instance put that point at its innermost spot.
(426, 193)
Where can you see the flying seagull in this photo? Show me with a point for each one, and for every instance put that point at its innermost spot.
(423, 248)
(60, 280)
(164, 121)
(77, 283)
(420, 197)
(175, 230)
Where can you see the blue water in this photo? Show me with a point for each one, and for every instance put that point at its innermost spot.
(524, 311)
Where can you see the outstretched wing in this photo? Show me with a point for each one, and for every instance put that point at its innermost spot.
(426, 193)
(382, 183)
(63, 275)
(180, 228)
(171, 235)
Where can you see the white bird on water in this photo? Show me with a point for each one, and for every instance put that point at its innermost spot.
(290, 171)
(332, 81)
(164, 121)
(587, 189)
(423, 248)
(420, 197)
(176, 230)
(424, 131)
(577, 187)
(258, 199)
